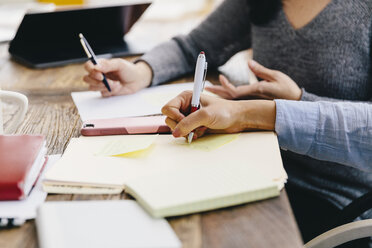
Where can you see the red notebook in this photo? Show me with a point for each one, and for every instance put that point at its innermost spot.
(22, 157)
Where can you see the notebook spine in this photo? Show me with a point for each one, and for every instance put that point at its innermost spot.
(10, 192)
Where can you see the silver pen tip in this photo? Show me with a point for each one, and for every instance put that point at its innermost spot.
(189, 138)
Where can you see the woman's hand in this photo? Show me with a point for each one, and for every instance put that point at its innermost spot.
(275, 85)
(218, 115)
(123, 77)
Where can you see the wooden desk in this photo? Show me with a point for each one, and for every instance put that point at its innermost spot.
(52, 113)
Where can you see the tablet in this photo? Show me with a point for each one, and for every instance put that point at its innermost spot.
(51, 39)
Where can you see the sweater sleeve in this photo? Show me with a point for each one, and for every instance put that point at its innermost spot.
(225, 32)
(310, 97)
(338, 132)
(307, 96)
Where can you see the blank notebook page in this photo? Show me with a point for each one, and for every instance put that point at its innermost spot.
(199, 188)
(148, 101)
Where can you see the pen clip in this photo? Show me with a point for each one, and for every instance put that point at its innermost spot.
(205, 75)
(88, 50)
(85, 47)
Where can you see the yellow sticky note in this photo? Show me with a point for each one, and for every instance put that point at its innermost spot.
(209, 142)
(128, 146)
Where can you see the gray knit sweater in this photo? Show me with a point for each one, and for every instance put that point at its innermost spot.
(329, 58)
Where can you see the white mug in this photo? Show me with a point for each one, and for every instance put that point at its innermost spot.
(21, 101)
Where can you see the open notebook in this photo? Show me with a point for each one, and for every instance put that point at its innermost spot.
(200, 188)
(167, 175)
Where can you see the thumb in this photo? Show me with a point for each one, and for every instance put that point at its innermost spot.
(261, 71)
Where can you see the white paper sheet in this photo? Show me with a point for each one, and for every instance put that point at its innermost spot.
(26, 209)
(106, 224)
(92, 105)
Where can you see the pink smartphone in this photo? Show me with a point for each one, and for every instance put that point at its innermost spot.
(129, 125)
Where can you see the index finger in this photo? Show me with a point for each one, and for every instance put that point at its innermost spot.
(261, 71)
(193, 121)
(178, 107)
(88, 66)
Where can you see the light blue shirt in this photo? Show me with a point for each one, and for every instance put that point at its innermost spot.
(338, 132)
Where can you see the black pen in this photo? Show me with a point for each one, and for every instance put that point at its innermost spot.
(88, 50)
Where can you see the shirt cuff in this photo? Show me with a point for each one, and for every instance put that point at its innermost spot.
(296, 124)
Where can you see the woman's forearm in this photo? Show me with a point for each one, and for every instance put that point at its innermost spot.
(257, 115)
(338, 132)
(219, 35)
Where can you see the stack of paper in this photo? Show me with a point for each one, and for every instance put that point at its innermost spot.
(19, 211)
(22, 158)
(149, 101)
(170, 177)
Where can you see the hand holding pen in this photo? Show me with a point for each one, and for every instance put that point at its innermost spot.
(88, 50)
(217, 115)
(192, 101)
(122, 76)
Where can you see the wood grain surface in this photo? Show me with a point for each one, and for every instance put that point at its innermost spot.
(268, 223)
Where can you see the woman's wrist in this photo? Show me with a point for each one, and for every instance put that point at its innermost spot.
(257, 115)
(145, 73)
